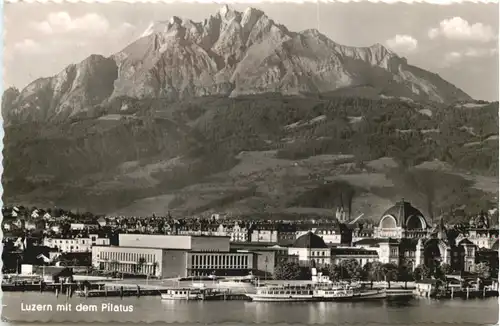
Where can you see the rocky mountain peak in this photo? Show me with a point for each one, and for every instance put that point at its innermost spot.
(228, 14)
(230, 53)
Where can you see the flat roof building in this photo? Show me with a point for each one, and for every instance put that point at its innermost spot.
(184, 242)
(166, 256)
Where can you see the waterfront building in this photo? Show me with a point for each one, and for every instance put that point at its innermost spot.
(310, 249)
(266, 256)
(362, 256)
(165, 256)
(402, 221)
(403, 236)
(181, 242)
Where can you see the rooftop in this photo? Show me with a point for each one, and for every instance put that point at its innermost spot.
(309, 240)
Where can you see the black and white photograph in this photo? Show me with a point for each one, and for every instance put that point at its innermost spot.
(331, 163)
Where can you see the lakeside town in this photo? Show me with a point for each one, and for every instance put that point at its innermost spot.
(402, 252)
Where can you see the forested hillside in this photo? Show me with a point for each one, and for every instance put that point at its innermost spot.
(256, 155)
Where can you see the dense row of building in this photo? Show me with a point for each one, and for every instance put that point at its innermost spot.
(402, 235)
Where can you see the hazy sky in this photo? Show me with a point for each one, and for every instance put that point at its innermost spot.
(458, 41)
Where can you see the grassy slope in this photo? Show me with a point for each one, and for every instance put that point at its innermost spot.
(257, 155)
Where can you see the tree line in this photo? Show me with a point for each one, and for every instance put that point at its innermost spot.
(352, 270)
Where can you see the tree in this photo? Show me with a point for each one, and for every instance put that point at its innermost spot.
(404, 274)
(351, 268)
(368, 274)
(140, 263)
(446, 268)
(376, 271)
(390, 272)
(483, 269)
(335, 272)
(114, 265)
(155, 266)
(438, 273)
(421, 272)
(287, 271)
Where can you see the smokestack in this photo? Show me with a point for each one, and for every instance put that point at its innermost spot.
(430, 207)
(349, 204)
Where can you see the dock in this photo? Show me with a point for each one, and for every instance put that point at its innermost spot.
(138, 292)
(452, 293)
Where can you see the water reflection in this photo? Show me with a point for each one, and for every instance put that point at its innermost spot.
(399, 302)
(316, 313)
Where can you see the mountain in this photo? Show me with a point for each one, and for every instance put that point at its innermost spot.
(228, 54)
(262, 155)
(238, 114)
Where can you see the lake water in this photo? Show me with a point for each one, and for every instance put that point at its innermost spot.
(152, 309)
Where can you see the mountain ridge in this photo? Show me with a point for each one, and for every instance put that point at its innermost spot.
(231, 54)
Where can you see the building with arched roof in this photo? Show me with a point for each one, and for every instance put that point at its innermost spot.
(402, 221)
(403, 236)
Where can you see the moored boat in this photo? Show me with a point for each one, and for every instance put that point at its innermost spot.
(181, 294)
(283, 293)
(333, 293)
(348, 293)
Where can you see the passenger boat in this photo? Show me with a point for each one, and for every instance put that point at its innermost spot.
(308, 293)
(348, 293)
(181, 294)
(285, 293)
(333, 293)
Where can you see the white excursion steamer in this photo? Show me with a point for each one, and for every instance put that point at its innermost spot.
(283, 293)
(321, 289)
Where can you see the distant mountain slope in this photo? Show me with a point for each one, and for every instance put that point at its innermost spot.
(231, 54)
(257, 155)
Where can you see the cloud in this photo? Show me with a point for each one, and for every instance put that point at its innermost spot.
(480, 53)
(458, 28)
(124, 29)
(402, 43)
(61, 22)
(455, 57)
(452, 58)
(27, 46)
